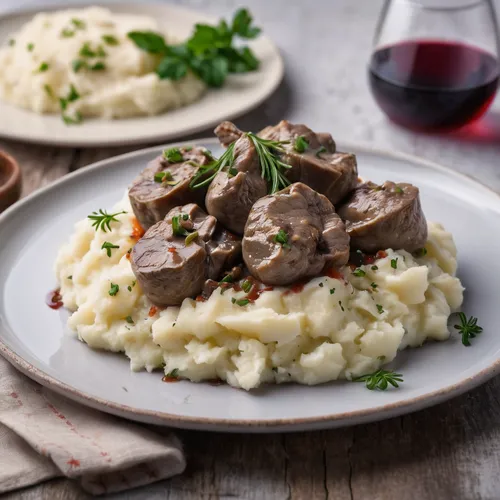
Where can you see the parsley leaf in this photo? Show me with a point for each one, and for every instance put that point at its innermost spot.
(113, 289)
(171, 68)
(173, 155)
(110, 40)
(300, 144)
(242, 25)
(108, 246)
(44, 66)
(282, 239)
(148, 41)
(394, 263)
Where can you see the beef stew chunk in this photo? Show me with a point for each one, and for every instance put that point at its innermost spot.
(293, 235)
(164, 185)
(386, 216)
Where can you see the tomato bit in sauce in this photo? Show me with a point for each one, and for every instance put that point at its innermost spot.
(137, 230)
(380, 254)
(54, 299)
(200, 298)
(152, 311)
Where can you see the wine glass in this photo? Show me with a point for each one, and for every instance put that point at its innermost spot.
(435, 65)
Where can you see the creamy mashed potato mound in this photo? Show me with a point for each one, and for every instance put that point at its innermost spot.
(128, 86)
(332, 329)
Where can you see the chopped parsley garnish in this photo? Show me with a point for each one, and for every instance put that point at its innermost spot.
(398, 190)
(300, 144)
(102, 220)
(87, 51)
(232, 172)
(173, 155)
(98, 66)
(163, 176)
(227, 279)
(282, 239)
(70, 277)
(73, 95)
(421, 252)
(72, 120)
(359, 272)
(129, 319)
(44, 66)
(173, 373)
(185, 217)
(209, 53)
(341, 306)
(113, 289)
(332, 291)
(374, 285)
(380, 309)
(374, 268)
(129, 288)
(322, 149)
(380, 380)
(394, 263)
(246, 286)
(190, 238)
(110, 40)
(67, 33)
(78, 24)
(78, 64)
(30, 47)
(108, 246)
(177, 228)
(49, 91)
(468, 328)
(240, 302)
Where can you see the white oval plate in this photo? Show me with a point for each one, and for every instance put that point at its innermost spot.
(240, 94)
(35, 339)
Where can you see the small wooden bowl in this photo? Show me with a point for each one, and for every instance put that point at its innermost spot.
(10, 181)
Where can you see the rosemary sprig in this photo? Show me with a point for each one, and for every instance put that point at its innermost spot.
(380, 380)
(102, 219)
(226, 160)
(468, 328)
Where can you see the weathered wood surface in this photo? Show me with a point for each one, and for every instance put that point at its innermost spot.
(451, 451)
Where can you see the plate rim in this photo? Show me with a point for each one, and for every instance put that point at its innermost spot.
(158, 137)
(251, 425)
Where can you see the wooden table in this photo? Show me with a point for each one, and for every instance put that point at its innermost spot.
(451, 451)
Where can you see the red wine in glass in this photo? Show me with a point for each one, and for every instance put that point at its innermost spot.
(433, 85)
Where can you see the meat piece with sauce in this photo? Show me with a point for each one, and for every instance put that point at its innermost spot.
(232, 194)
(320, 166)
(152, 198)
(386, 216)
(293, 235)
(168, 269)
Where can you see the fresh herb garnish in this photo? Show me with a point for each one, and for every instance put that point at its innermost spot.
(341, 306)
(421, 252)
(49, 91)
(73, 95)
(322, 149)
(374, 285)
(78, 24)
(78, 64)
(232, 172)
(70, 277)
(225, 160)
(246, 286)
(300, 144)
(30, 47)
(282, 239)
(468, 328)
(173, 155)
(110, 40)
(227, 279)
(102, 219)
(163, 176)
(359, 272)
(177, 228)
(380, 309)
(332, 291)
(72, 120)
(87, 51)
(113, 289)
(380, 380)
(67, 33)
(209, 52)
(240, 302)
(98, 66)
(129, 319)
(374, 268)
(173, 374)
(190, 238)
(44, 66)
(108, 246)
(394, 263)
(398, 190)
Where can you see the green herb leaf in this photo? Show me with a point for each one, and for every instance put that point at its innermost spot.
(108, 246)
(113, 289)
(421, 252)
(394, 263)
(78, 24)
(173, 155)
(149, 41)
(30, 47)
(332, 291)
(177, 228)
(212, 70)
(102, 220)
(98, 66)
(44, 66)
(173, 374)
(67, 33)
(163, 176)
(321, 284)
(322, 149)
(227, 279)
(49, 91)
(171, 68)
(73, 120)
(468, 328)
(73, 94)
(86, 51)
(374, 285)
(374, 268)
(242, 25)
(300, 144)
(110, 40)
(70, 277)
(201, 179)
(191, 237)
(246, 286)
(398, 190)
(359, 272)
(240, 302)
(341, 306)
(129, 319)
(380, 380)
(78, 64)
(380, 309)
(282, 239)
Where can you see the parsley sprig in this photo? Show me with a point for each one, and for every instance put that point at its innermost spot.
(102, 220)
(209, 53)
(380, 380)
(468, 328)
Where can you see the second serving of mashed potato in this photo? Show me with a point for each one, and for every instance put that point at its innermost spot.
(80, 62)
(332, 328)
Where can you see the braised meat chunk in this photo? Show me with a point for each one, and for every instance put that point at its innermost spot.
(386, 216)
(292, 235)
(164, 184)
(232, 194)
(176, 255)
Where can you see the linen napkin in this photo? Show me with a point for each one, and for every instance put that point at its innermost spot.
(44, 435)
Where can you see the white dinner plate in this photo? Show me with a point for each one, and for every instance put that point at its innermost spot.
(35, 339)
(239, 94)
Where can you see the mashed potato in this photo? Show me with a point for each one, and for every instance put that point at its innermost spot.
(113, 77)
(334, 328)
